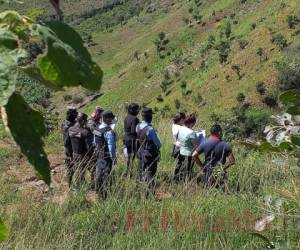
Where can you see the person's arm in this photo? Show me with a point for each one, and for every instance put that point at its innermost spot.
(111, 143)
(153, 136)
(198, 151)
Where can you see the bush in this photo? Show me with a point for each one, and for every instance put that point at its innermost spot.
(289, 73)
(292, 21)
(260, 88)
(280, 41)
(159, 98)
(241, 97)
(177, 104)
(224, 50)
(243, 43)
(253, 26)
(183, 85)
(271, 101)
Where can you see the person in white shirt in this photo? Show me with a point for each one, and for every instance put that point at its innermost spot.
(178, 122)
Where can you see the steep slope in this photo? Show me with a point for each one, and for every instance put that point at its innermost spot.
(130, 75)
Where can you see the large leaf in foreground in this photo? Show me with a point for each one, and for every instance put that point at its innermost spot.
(3, 231)
(64, 64)
(27, 127)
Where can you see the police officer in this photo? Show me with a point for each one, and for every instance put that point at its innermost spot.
(105, 141)
(130, 135)
(93, 123)
(81, 141)
(70, 120)
(94, 120)
(149, 151)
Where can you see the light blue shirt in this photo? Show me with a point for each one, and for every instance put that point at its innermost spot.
(151, 133)
(110, 139)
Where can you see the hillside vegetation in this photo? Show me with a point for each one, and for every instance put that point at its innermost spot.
(218, 58)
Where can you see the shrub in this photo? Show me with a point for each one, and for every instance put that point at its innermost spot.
(224, 50)
(241, 97)
(243, 43)
(183, 84)
(289, 73)
(177, 104)
(260, 88)
(237, 70)
(271, 101)
(280, 41)
(253, 26)
(159, 98)
(260, 53)
(292, 21)
(77, 99)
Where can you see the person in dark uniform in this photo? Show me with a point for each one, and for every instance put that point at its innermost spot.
(105, 141)
(148, 152)
(130, 135)
(81, 140)
(216, 152)
(94, 121)
(70, 120)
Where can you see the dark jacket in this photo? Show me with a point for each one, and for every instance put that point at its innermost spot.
(130, 123)
(66, 138)
(81, 139)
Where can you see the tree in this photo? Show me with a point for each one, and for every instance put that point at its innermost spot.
(260, 88)
(61, 60)
(292, 21)
(241, 97)
(280, 41)
(260, 53)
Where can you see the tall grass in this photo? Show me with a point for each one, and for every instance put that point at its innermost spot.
(179, 216)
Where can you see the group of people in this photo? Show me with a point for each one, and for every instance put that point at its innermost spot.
(90, 144)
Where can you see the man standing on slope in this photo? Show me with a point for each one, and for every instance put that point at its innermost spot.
(81, 140)
(93, 123)
(149, 151)
(216, 151)
(71, 115)
(130, 135)
(105, 141)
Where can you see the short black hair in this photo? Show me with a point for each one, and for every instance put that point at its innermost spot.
(190, 119)
(178, 117)
(216, 129)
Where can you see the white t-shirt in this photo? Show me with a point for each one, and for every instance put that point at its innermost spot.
(175, 130)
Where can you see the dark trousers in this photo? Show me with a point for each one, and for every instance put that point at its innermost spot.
(146, 172)
(80, 163)
(69, 169)
(103, 177)
(184, 168)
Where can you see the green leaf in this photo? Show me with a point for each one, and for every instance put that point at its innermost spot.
(66, 62)
(269, 243)
(296, 140)
(3, 231)
(27, 127)
(293, 110)
(8, 41)
(290, 97)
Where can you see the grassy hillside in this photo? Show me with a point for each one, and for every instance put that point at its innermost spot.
(186, 75)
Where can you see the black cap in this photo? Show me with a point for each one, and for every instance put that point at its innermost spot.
(147, 111)
(108, 114)
(71, 109)
(133, 107)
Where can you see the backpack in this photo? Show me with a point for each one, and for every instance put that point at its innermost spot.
(100, 142)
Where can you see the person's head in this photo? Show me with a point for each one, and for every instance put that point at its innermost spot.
(190, 120)
(82, 118)
(108, 117)
(216, 130)
(133, 109)
(71, 114)
(98, 113)
(179, 118)
(147, 114)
